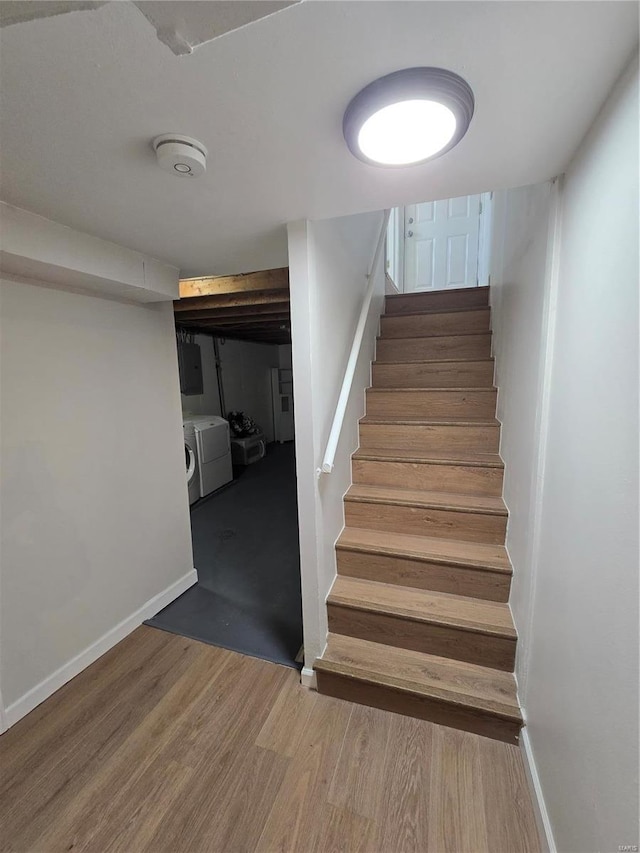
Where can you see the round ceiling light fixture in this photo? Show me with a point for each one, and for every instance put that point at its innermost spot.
(180, 155)
(408, 117)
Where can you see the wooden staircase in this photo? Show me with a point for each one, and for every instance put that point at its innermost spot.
(418, 615)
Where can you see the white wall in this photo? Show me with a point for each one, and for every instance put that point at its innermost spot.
(565, 312)
(95, 519)
(520, 298)
(246, 378)
(328, 262)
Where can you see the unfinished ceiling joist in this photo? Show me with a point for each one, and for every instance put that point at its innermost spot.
(252, 306)
(257, 336)
(244, 320)
(231, 300)
(211, 285)
(238, 311)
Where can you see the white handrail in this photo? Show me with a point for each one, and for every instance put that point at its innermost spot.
(343, 399)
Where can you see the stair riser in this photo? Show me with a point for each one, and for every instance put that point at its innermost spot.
(413, 705)
(415, 325)
(382, 403)
(449, 642)
(423, 349)
(454, 374)
(457, 580)
(421, 437)
(421, 521)
(438, 300)
(459, 479)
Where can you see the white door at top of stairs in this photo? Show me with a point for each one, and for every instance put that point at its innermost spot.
(445, 243)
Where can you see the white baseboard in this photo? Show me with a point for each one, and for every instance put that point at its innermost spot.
(3, 717)
(539, 805)
(69, 670)
(308, 678)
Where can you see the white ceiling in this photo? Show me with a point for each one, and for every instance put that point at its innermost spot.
(83, 94)
(187, 24)
(16, 11)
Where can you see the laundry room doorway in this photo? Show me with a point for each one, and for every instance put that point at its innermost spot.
(238, 400)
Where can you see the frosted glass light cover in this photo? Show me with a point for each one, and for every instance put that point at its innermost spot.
(408, 117)
(407, 132)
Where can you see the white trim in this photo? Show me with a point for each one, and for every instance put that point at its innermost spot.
(308, 678)
(308, 675)
(394, 249)
(539, 805)
(485, 239)
(545, 369)
(3, 717)
(69, 670)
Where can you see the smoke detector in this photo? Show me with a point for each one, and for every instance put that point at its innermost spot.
(180, 155)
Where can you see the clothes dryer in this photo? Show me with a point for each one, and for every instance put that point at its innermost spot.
(191, 461)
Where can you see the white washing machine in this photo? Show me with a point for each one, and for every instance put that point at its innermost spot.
(213, 445)
(191, 461)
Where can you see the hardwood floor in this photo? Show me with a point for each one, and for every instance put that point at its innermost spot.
(166, 744)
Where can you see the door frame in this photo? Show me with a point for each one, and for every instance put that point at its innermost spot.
(394, 248)
(483, 277)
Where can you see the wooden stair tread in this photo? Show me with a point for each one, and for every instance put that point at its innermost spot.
(437, 334)
(447, 421)
(431, 390)
(472, 686)
(454, 290)
(485, 504)
(420, 624)
(427, 548)
(434, 457)
(428, 311)
(463, 359)
(418, 605)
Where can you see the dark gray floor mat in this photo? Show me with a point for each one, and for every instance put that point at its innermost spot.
(246, 551)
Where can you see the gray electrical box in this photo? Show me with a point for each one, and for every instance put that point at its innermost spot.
(190, 367)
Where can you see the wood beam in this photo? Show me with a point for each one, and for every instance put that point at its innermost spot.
(273, 337)
(239, 311)
(271, 320)
(211, 285)
(231, 300)
(227, 331)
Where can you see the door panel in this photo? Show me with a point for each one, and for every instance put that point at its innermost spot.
(458, 207)
(441, 244)
(424, 262)
(457, 260)
(425, 212)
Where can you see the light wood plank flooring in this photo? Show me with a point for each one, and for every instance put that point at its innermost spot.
(166, 744)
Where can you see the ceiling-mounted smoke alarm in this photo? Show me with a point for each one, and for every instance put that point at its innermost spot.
(180, 155)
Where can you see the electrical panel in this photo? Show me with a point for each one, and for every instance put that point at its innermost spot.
(190, 367)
